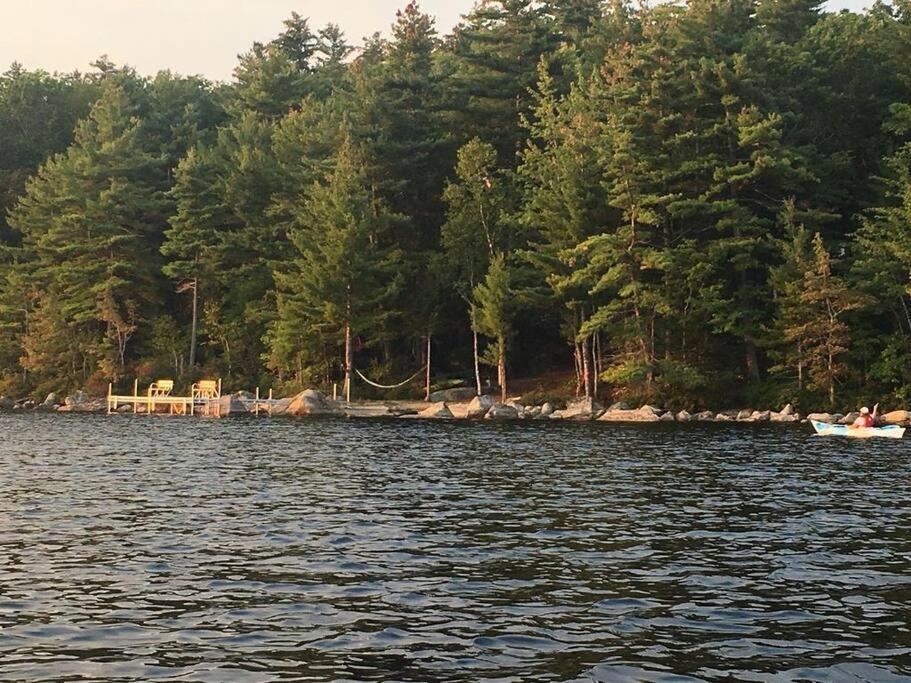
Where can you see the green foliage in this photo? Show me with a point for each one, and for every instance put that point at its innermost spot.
(639, 186)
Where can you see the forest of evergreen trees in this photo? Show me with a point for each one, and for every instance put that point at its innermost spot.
(701, 204)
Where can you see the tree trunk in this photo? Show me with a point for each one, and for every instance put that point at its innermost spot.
(752, 359)
(477, 363)
(349, 362)
(194, 323)
(588, 382)
(577, 363)
(501, 367)
(427, 379)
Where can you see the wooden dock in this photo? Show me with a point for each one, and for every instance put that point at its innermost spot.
(205, 399)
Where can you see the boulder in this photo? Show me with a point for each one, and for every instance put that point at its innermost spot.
(456, 395)
(83, 404)
(684, 416)
(761, 416)
(500, 411)
(657, 412)
(621, 405)
(50, 401)
(438, 411)
(580, 409)
(743, 415)
(667, 417)
(547, 410)
(828, 418)
(897, 417)
(782, 418)
(479, 406)
(532, 412)
(849, 418)
(704, 416)
(787, 410)
(310, 402)
(520, 409)
(125, 409)
(228, 406)
(6, 403)
(644, 414)
(723, 417)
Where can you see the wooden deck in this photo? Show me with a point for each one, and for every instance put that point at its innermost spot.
(205, 399)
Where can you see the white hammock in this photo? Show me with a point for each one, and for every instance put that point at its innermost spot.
(390, 386)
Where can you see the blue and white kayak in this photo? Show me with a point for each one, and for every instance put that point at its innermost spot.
(887, 432)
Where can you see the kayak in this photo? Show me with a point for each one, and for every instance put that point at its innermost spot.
(887, 432)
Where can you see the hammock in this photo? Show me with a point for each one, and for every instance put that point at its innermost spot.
(390, 386)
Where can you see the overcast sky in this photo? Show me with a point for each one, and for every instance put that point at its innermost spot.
(188, 36)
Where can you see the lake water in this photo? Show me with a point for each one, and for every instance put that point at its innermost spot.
(146, 548)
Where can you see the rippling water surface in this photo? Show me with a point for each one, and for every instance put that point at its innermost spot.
(138, 549)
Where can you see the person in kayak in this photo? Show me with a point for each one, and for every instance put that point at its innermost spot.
(866, 418)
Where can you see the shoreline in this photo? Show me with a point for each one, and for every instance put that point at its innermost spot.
(459, 408)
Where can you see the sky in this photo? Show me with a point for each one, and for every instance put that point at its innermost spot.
(189, 36)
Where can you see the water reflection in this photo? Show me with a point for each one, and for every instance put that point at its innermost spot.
(138, 549)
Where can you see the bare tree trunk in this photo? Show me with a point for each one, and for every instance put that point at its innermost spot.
(501, 367)
(752, 359)
(349, 362)
(477, 363)
(194, 324)
(577, 361)
(427, 379)
(587, 378)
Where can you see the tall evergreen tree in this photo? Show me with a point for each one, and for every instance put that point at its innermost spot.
(335, 288)
(93, 221)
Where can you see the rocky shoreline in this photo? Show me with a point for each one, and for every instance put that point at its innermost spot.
(458, 404)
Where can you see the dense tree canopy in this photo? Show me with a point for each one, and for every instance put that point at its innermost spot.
(702, 204)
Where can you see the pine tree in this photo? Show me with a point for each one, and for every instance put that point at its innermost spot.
(337, 286)
(820, 330)
(492, 312)
(479, 225)
(93, 222)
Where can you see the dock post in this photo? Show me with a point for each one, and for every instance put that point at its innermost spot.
(270, 403)
(335, 391)
(256, 404)
(135, 396)
(109, 397)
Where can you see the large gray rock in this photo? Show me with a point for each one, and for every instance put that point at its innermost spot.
(743, 415)
(438, 411)
(787, 410)
(704, 416)
(644, 414)
(657, 412)
(452, 395)
(580, 409)
(532, 412)
(51, 400)
(782, 418)
(479, 406)
(828, 418)
(547, 410)
(684, 416)
(761, 416)
(306, 403)
(723, 417)
(80, 402)
(229, 406)
(667, 417)
(500, 411)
